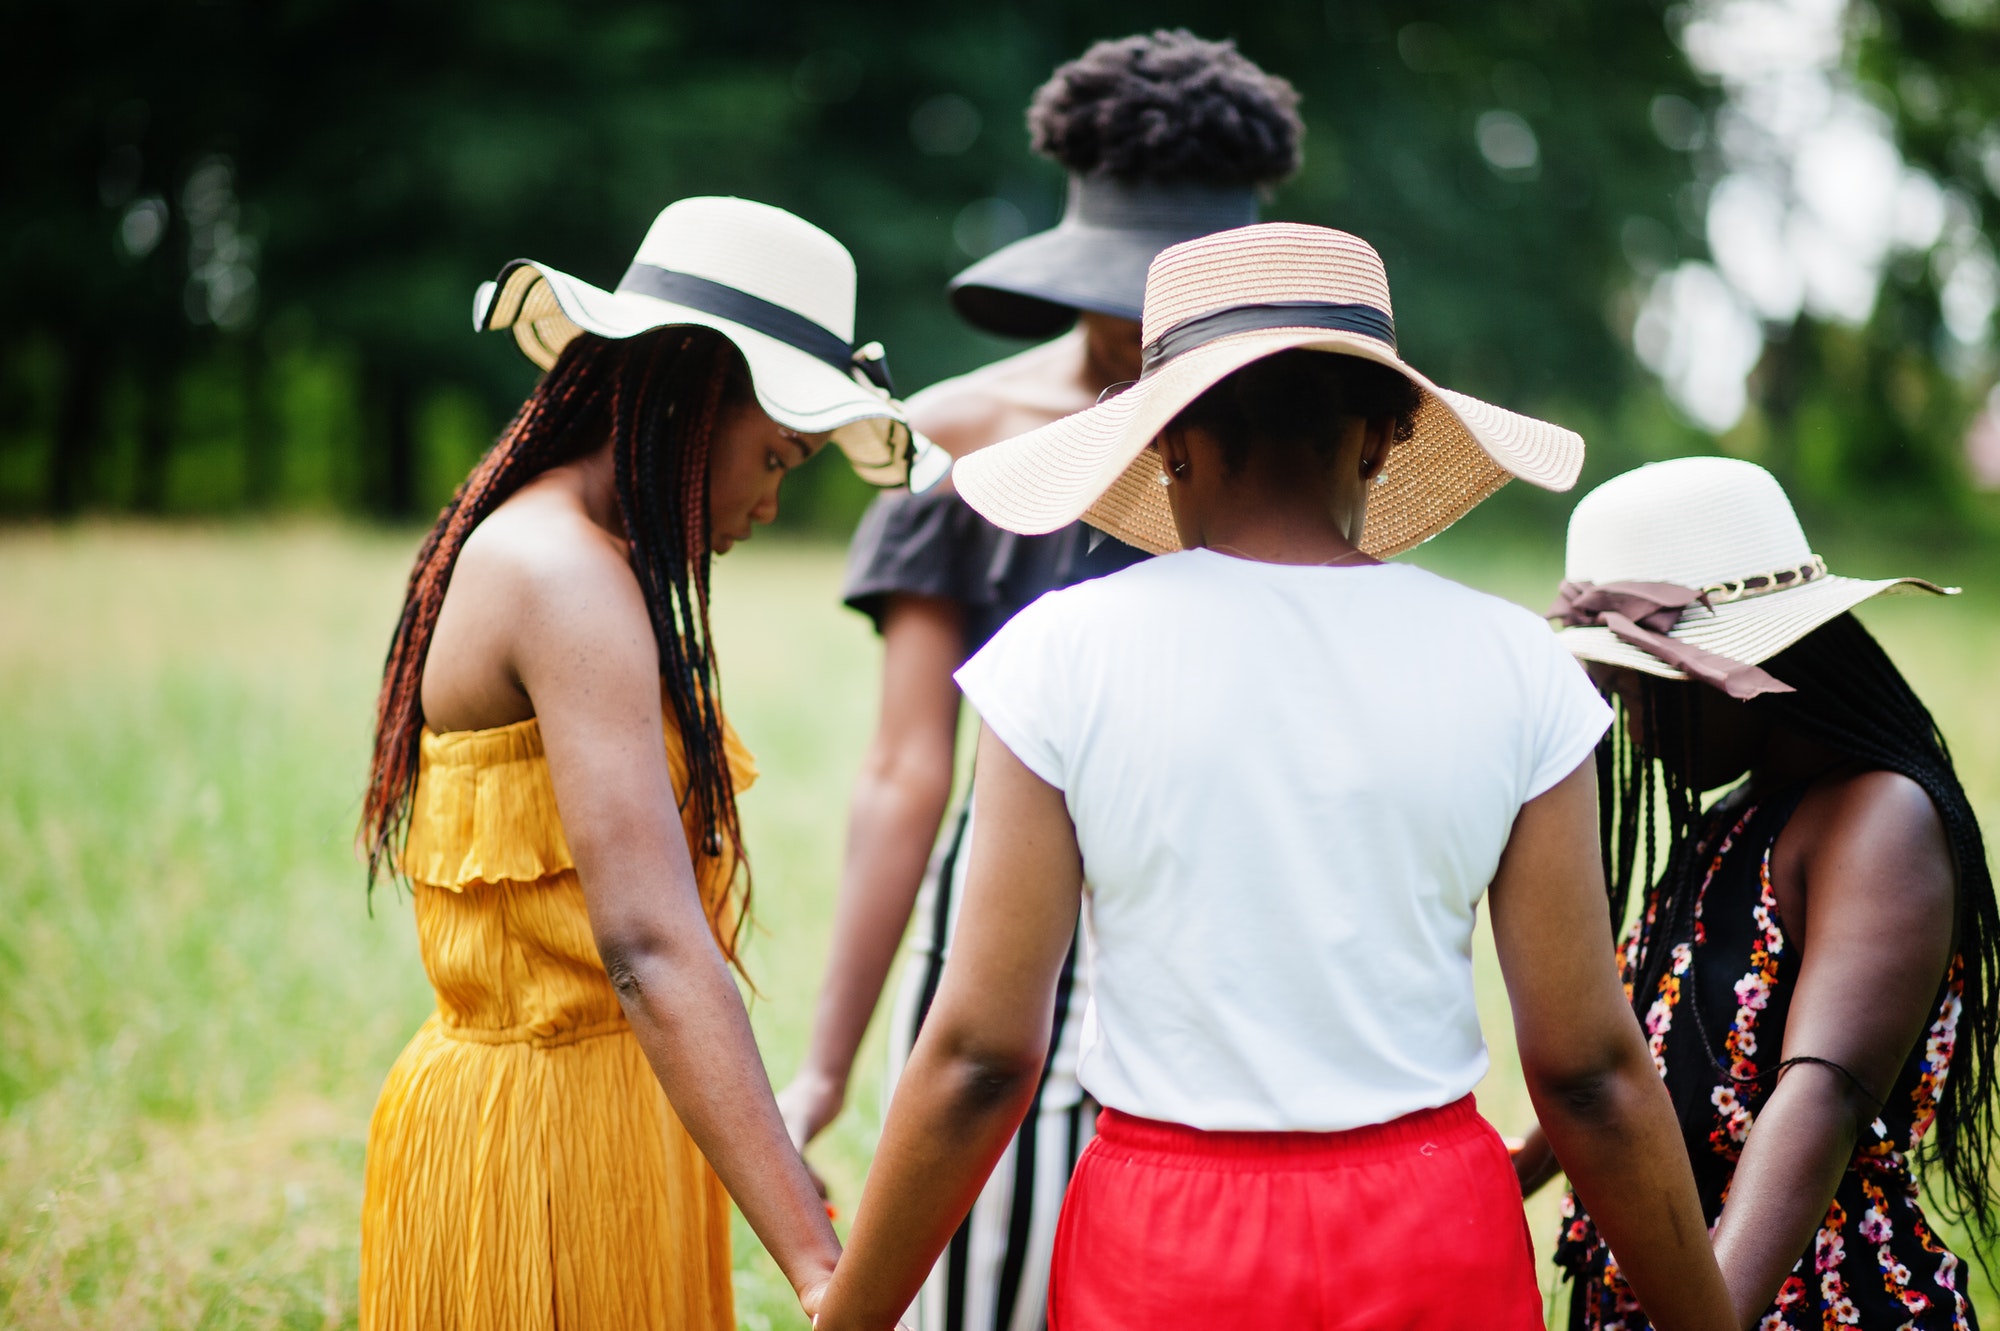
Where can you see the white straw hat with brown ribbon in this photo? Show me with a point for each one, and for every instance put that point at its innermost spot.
(1214, 305)
(1698, 568)
(775, 285)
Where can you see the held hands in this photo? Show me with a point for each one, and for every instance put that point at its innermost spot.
(825, 1318)
(830, 1317)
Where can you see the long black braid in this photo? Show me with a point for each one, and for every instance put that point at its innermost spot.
(675, 391)
(1850, 697)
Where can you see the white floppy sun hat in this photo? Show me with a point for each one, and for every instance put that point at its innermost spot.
(1698, 568)
(1214, 305)
(775, 285)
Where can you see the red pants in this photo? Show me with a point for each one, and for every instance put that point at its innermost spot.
(1415, 1223)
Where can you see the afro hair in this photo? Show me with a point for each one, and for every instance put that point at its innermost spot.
(1169, 108)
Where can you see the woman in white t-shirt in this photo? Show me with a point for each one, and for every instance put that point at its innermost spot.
(1280, 775)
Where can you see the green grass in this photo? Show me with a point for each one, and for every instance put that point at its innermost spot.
(196, 1008)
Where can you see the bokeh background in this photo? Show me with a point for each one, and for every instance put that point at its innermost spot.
(241, 239)
(237, 376)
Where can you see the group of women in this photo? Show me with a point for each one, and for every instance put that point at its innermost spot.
(1188, 1038)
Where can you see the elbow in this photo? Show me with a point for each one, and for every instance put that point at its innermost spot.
(626, 961)
(989, 1077)
(1588, 1090)
(1579, 1096)
(634, 960)
(915, 770)
(1846, 1105)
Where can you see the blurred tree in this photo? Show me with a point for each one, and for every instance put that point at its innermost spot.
(294, 200)
(1934, 66)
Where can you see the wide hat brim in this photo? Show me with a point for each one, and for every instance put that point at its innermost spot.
(1034, 287)
(1097, 257)
(1096, 466)
(546, 309)
(1751, 630)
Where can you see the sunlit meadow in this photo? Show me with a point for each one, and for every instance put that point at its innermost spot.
(197, 1005)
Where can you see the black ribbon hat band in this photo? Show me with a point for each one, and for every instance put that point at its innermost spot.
(760, 315)
(1336, 317)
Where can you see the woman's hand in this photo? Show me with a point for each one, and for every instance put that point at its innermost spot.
(827, 1317)
(1534, 1163)
(809, 1102)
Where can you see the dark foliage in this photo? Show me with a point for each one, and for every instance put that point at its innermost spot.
(240, 240)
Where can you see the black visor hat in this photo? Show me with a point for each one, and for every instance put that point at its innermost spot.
(1094, 259)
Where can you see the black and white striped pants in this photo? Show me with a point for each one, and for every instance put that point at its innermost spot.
(995, 1274)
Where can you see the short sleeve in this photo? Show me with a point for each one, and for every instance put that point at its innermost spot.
(1016, 684)
(912, 545)
(1571, 720)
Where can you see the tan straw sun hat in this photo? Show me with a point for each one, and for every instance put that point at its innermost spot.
(1214, 305)
(775, 285)
(1698, 568)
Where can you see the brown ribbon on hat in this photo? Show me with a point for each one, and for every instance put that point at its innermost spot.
(1640, 614)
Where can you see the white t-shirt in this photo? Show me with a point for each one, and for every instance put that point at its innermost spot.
(1291, 786)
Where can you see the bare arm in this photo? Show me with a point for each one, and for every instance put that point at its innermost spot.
(1874, 943)
(586, 656)
(974, 1070)
(899, 799)
(1594, 1087)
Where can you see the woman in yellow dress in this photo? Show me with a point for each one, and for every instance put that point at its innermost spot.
(554, 777)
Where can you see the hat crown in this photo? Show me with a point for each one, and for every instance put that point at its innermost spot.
(758, 249)
(1269, 263)
(1690, 521)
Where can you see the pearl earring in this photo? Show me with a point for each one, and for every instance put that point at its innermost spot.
(1164, 479)
(1382, 477)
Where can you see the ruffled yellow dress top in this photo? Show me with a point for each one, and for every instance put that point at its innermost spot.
(525, 1170)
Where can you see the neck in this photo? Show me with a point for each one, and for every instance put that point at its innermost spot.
(1276, 514)
(1788, 758)
(1278, 529)
(593, 480)
(1111, 353)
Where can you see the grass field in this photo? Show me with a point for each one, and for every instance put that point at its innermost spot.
(196, 1007)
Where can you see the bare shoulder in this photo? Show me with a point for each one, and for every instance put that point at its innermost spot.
(1873, 805)
(539, 554)
(1874, 831)
(959, 415)
(542, 602)
(1012, 396)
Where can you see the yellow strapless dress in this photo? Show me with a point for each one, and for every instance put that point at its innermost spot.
(524, 1167)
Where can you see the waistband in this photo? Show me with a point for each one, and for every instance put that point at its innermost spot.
(1128, 1134)
(540, 1038)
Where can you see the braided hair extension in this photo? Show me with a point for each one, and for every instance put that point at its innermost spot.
(657, 397)
(1646, 789)
(677, 395)
(1850, 697)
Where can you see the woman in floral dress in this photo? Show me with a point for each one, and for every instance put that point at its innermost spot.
(1814, 967)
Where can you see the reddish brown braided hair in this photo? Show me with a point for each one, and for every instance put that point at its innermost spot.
(657, 398)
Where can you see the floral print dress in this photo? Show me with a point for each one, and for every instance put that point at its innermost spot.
(1875, 1261)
